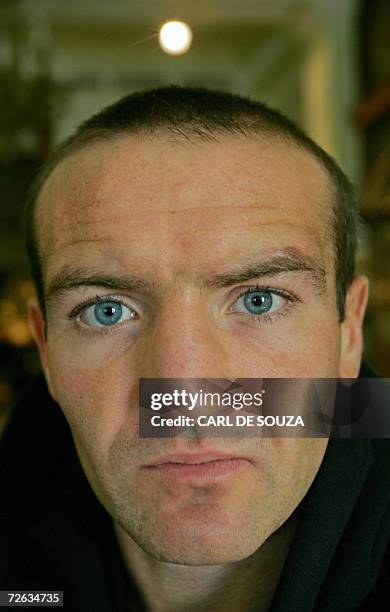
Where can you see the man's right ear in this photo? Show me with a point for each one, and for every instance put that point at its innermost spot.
(37, 325)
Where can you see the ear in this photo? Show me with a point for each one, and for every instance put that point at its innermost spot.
(37, 325)
(351, 328)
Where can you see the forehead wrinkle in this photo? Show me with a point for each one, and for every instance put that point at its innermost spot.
(232, 226)
(79, 241)
(317, 244)
(172, 211)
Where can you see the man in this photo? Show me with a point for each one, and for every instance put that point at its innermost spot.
(183, 233)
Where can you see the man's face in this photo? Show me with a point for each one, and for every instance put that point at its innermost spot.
(177, 216)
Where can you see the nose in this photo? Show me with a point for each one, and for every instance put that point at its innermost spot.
(185, 341)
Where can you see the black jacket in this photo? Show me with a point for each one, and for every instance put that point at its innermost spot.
(55, 535)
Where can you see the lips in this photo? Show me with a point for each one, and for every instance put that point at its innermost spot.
(193, 458)
(197, 468)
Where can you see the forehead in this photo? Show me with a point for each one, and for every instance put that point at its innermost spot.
(180, 195)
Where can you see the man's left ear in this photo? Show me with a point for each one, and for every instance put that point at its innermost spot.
(351, 328)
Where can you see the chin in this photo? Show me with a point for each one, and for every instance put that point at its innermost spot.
(195, 542)
(195, 551)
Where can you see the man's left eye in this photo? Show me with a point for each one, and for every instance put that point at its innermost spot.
(259, 302)
(105, 314)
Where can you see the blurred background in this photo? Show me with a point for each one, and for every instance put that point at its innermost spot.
(325, 64)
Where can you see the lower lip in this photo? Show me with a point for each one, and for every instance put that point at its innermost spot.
(209, 470)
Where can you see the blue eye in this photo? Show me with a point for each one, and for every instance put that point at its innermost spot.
(106, 314)
(259, 302)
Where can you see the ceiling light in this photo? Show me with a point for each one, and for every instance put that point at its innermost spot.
(175, 37)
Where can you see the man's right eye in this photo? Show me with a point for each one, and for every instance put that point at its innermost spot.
(106, 314)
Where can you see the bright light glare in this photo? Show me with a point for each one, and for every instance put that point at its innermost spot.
(175, 37)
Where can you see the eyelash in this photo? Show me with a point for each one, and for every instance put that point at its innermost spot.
(260, 319)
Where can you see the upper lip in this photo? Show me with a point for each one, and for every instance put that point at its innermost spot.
(189, 458)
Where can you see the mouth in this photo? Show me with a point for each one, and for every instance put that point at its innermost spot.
(198, 466)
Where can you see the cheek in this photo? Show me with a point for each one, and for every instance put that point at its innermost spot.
(299, 462)
(318, 347)
(97, 401)
(308, 350)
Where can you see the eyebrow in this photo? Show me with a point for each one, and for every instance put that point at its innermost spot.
(290, 260)
(70, 278)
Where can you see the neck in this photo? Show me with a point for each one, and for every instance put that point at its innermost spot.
(244, 585)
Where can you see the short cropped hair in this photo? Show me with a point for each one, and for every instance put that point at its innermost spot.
(190, 113)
